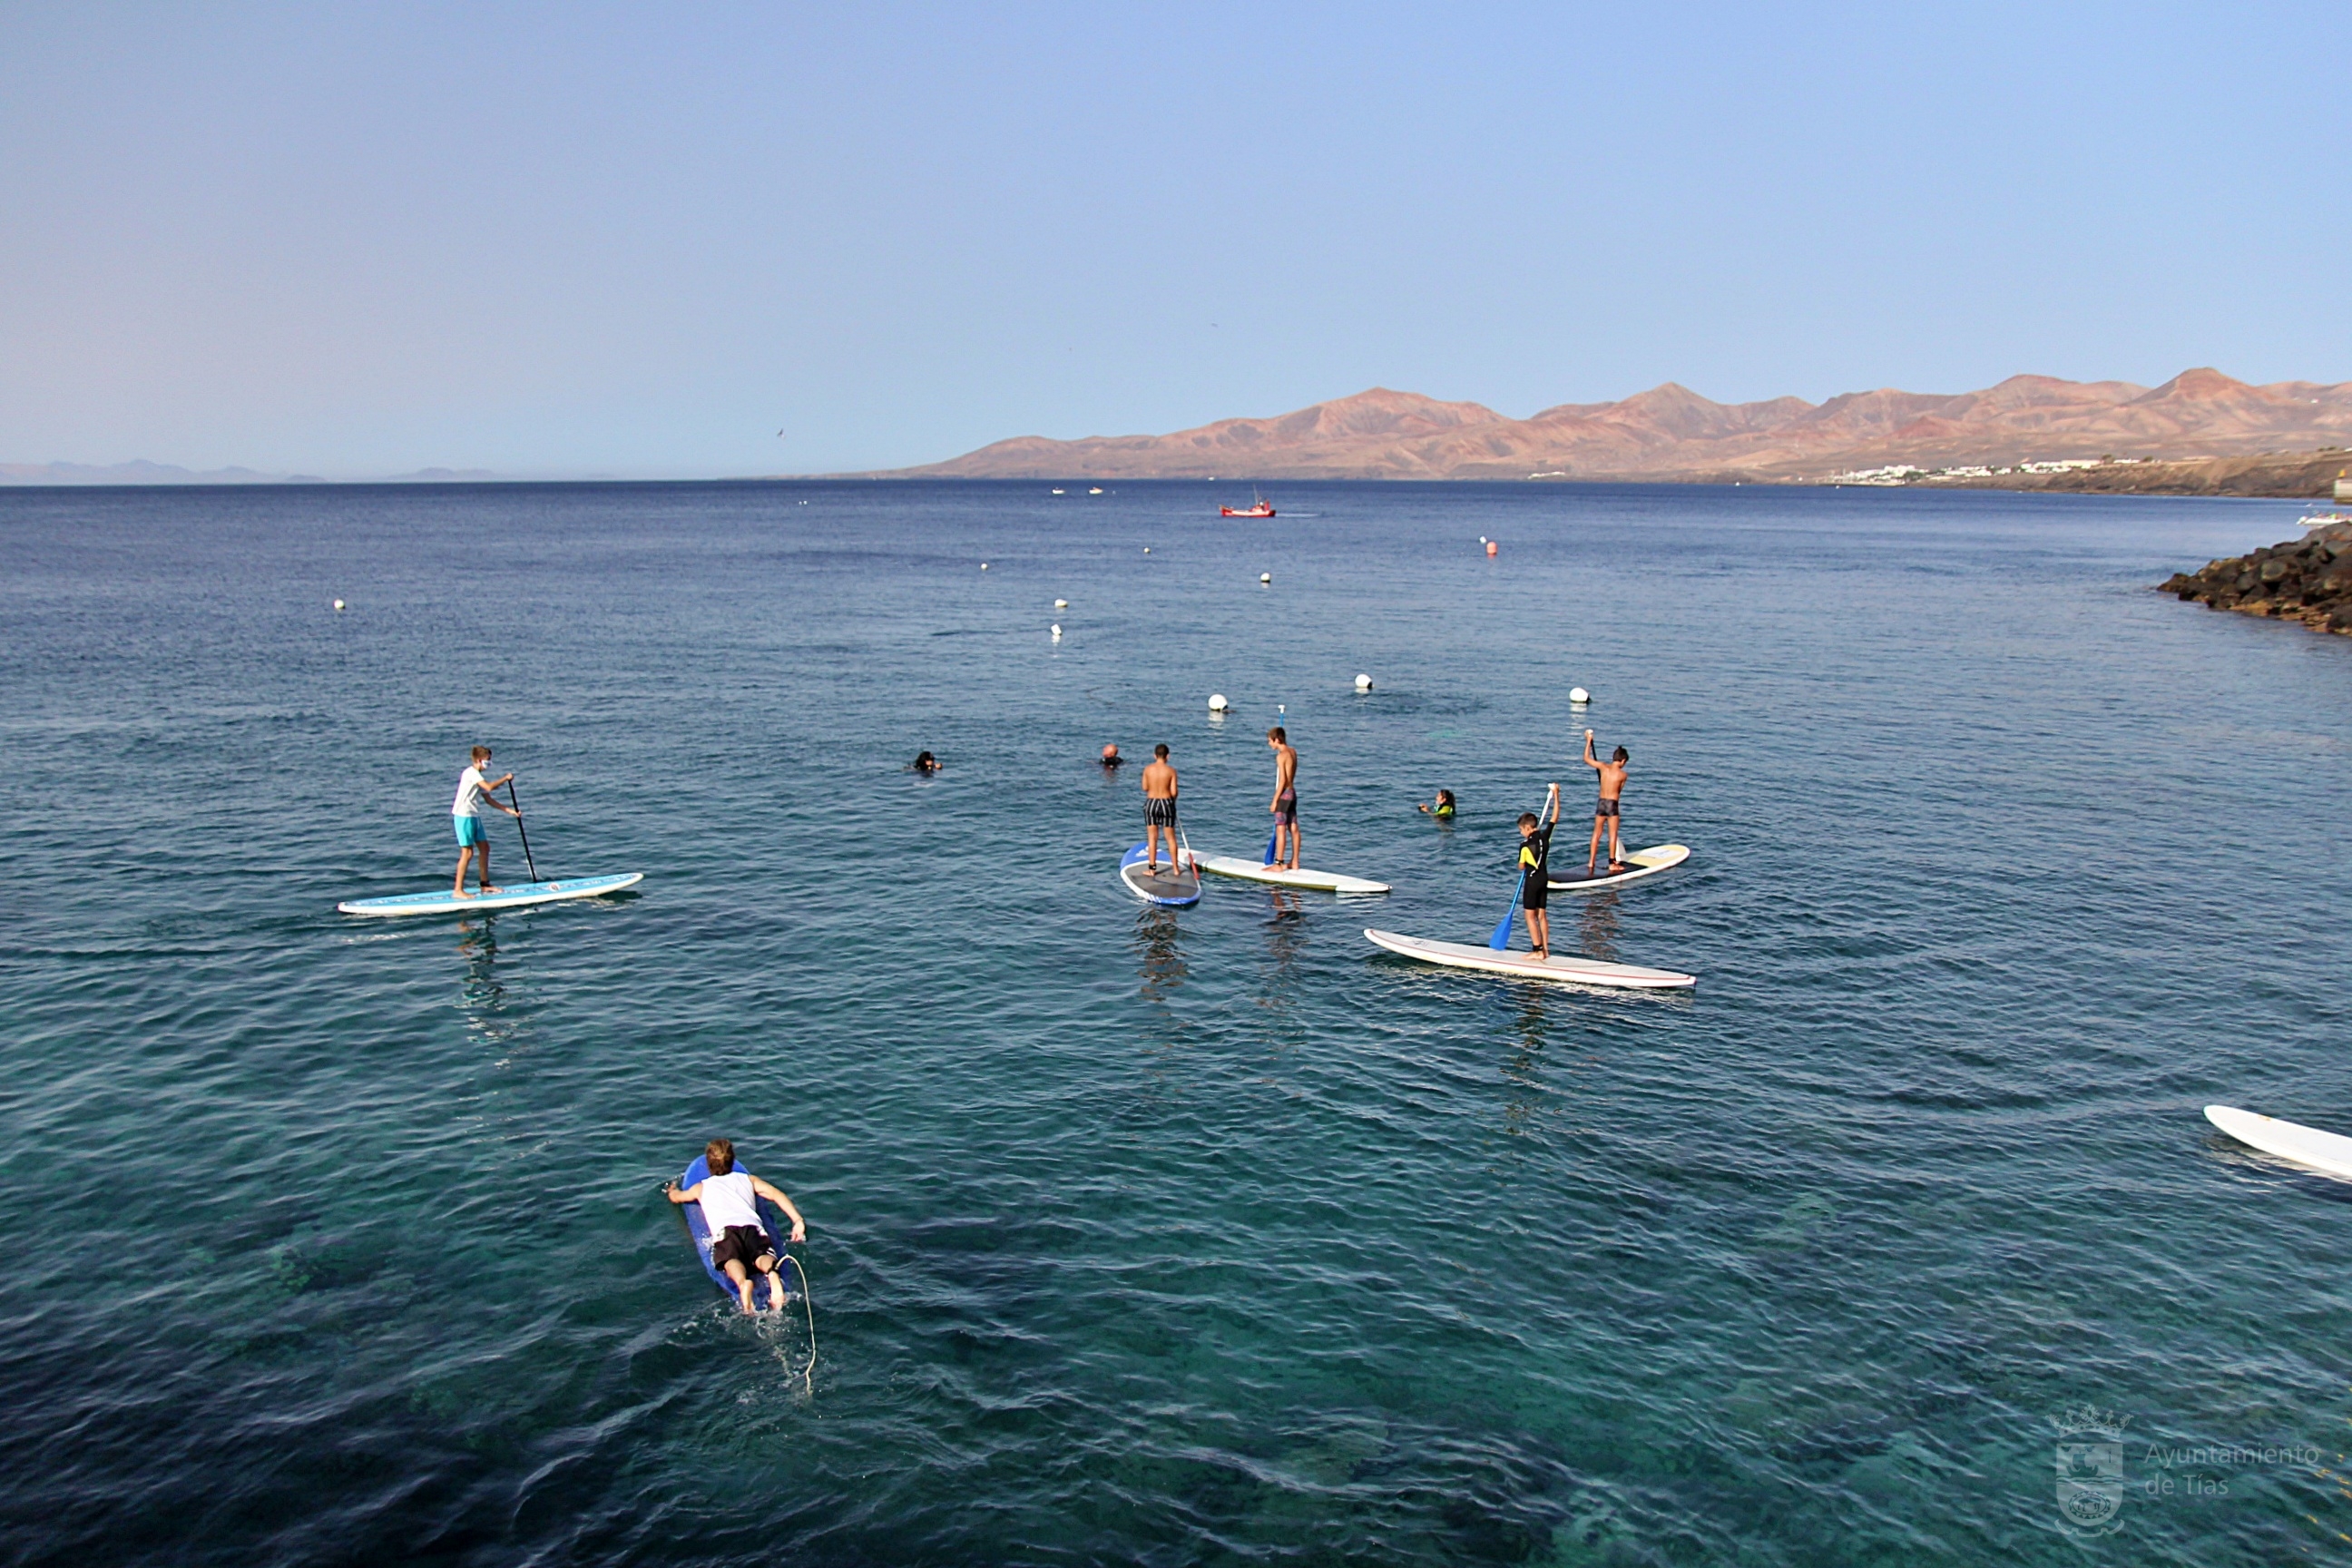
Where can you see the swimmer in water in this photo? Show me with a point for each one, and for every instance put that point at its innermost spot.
(1441, 808)
(926, 764)
(1111, 760)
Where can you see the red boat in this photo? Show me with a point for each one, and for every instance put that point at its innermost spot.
(1264, 507)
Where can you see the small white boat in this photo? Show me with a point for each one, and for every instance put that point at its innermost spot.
(1096, 491)
(2321, 518)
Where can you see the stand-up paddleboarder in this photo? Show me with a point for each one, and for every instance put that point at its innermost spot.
(1535, 872)
(1159, 809)
(1284, 805)
(466, 816)
(1604, 812)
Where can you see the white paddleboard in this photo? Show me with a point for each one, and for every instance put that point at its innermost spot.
(2328, 1152)
(1639, 863)
(1179, 889)
(514, 896)
(1526, 965)
(1317, 881)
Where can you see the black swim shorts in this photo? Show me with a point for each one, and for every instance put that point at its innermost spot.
(1159, 813)
(1606, 808)
(1535, 893)
(1286, 808)
(743, 1244)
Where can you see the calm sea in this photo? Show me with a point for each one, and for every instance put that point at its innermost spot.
(1210, 1236)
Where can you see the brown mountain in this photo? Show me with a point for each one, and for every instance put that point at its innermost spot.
(1670, 432)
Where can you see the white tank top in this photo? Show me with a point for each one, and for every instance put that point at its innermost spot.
(729, 1200)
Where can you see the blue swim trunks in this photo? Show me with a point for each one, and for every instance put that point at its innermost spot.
(469, 831)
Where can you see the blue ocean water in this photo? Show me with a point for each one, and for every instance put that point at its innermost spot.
(1202, 1236)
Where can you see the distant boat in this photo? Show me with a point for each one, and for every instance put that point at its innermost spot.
(1264, 507)
(1096, 491)
(2321, 518)
(1057, 492)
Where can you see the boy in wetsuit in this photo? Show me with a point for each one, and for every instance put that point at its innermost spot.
(1604, 812)
(1535, 871)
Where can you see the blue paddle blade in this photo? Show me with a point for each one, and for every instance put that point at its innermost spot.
(1273, 840)
(1502, 937)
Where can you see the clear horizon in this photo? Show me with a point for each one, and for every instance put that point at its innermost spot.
(547, 241)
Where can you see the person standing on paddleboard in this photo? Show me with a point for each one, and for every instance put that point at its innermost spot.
(1535, 871)
(465, 815)
(1285, 798)
(1158, 808)
(1604, 813)
(730, 1206)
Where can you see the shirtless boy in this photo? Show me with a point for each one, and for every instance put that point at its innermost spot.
(1286, 797)
(1604, 815)
(466, 816)
(1158, 808)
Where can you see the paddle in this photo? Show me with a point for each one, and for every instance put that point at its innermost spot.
(1273, 843)
(527, 860)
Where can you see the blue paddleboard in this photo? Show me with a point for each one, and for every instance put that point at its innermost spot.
(699, 1229)
(1166, 886)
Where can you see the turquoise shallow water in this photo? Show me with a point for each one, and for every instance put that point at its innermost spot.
(1201, 1238)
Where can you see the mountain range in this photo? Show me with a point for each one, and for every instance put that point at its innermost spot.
(1672, 433)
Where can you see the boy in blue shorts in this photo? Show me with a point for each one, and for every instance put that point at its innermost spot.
(465, 815)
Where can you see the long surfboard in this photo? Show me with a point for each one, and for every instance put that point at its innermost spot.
(1316, 881)
(1527, 966)
(512, 897)
(1639, 863)
(698, 1229)
(1165, 885)
(2328, 1152)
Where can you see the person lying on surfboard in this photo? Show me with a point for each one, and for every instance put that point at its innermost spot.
(730, 1206)
(1285, 798)
(1534, 859)
(1604, 813)
(465, 815)
(1159, 809)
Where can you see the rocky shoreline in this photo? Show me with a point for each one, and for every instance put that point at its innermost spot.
(2307, 580)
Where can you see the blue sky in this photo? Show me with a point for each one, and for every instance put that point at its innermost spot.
(641, 239)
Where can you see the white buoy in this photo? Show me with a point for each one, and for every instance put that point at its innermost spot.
(1058, 631)
(1146, 550)
(339, 604)
(1364, 683)
(1265, 577)
(1577, 694)
(1217, 703)
(1061, 604)
(1482, 539)
(983, 565)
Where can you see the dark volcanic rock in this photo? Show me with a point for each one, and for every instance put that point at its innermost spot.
(2295, 579)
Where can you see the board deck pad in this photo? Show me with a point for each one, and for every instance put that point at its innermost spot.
(514, 896)
(1165, 885)
(2328, 1152)
(1305, 877)
(698, 1229)
(1639, 863)
(1557, 967)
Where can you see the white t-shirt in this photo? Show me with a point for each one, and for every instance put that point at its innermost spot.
(729, 1200)
(470, 794)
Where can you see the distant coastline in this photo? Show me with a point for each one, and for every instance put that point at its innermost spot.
(2200, 433)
